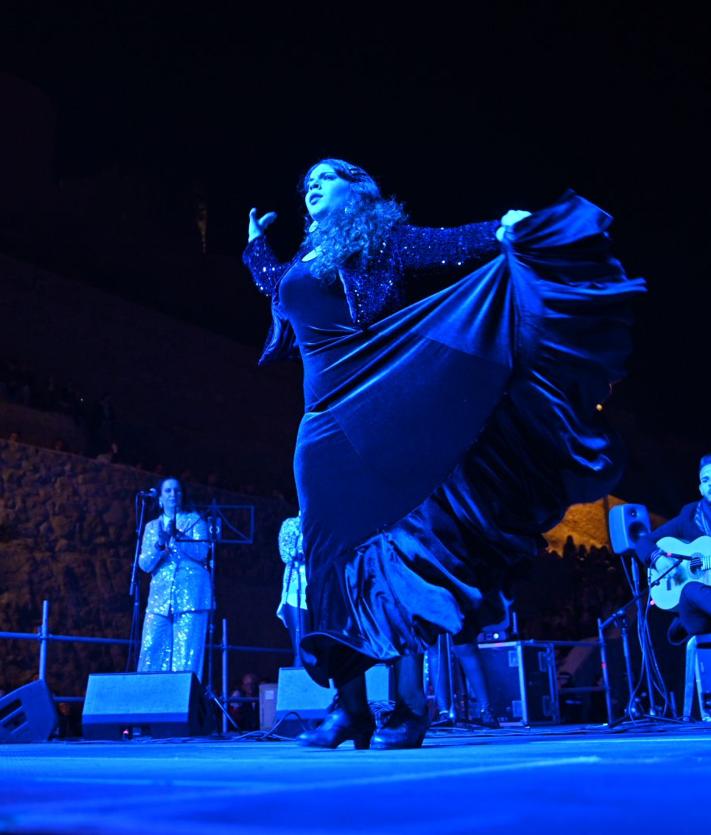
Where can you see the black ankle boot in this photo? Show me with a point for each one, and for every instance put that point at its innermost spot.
(487, 719)
(403, 729)
(338, 727)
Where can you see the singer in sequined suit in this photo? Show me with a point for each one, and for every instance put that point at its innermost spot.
(443, 432)
(292, 605)
(180, 597)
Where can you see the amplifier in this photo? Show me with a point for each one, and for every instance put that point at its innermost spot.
(522, 681)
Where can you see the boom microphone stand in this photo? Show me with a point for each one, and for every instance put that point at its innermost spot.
(621, 620)
(641, 625)
(214, 535)
(296, 565)
(214, 516)
(445, 686)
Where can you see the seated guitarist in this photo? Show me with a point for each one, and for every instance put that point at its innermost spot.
(694, 617)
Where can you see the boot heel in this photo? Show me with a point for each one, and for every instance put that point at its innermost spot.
(362, 741)
(338, 727)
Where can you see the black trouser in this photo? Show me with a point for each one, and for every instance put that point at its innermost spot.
(695, 608)
(295, 624)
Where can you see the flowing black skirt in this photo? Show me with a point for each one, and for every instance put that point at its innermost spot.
(450, 434)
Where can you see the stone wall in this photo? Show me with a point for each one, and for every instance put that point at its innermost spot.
(67, 534)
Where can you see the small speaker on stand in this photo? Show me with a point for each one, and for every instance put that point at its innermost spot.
(627, 524)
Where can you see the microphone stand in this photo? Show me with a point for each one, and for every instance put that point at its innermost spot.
(214, 535)
(214, 518)
(445, 649)
(134, 587)
(296, 565)
(620, 619)
(643, 641)
(295, 569)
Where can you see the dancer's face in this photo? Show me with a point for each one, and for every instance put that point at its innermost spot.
(171, 496)
(325, 191)
(705, 482)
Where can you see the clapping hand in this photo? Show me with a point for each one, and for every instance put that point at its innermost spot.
(165, 534)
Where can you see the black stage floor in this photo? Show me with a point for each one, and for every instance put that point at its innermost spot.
(642, 777)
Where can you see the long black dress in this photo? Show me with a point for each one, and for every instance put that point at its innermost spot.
(440, 441)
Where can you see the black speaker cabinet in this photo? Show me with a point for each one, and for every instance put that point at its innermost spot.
(27, 714)
(522, 682)
(147, 704)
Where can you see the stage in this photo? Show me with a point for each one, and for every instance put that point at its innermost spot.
(586, 779)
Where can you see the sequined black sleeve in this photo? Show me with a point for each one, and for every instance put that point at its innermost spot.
(265, 267)
(425, 247)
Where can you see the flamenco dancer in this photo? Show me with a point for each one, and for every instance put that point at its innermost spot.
(442, 433)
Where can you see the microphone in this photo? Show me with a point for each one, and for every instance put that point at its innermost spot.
(148, 494)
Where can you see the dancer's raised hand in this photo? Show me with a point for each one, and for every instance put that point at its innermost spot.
(257, 225)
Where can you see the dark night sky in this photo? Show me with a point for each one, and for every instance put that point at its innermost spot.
(461, 116)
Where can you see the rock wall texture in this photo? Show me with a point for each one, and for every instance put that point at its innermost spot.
(67, 534)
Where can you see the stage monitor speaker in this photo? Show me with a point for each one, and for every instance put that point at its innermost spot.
(297, 692)
(627, 524)
(27, 714)
(148, 704)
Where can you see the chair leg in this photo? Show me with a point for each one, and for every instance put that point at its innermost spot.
(691, 679)
(703, 712)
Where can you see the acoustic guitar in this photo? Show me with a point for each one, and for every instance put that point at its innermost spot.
(695, 567)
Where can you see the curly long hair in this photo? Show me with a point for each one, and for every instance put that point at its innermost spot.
(359, 225)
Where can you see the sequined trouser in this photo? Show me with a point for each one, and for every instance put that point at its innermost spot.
(173, 643)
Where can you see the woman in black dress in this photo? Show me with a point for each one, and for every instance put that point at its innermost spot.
(441, 434)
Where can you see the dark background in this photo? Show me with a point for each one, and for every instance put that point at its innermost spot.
(461, 115)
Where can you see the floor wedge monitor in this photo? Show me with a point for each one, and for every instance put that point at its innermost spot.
(118, 705)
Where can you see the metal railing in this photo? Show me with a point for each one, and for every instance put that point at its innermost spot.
(44, 638)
